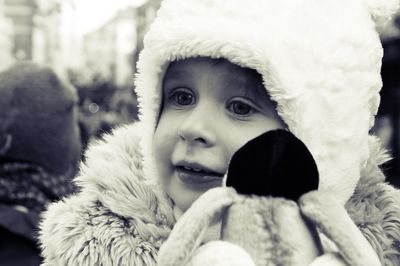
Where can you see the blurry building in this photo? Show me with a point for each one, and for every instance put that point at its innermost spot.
(46, 32)
(70, 53)
(21, 13)
(145, 15)
(55, 41)
(112, 49)
(37, 30)
(6, 39)
(108, 49)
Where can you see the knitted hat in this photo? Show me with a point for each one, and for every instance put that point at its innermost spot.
(320, 61)
(38, 119)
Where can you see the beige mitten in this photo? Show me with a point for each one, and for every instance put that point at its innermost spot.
(268, 230)
(189, 230)
(220, 253)
(272, 231)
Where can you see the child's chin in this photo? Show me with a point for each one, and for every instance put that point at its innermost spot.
(184, 194)
(183, 199)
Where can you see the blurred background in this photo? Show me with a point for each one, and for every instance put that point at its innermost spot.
(94, 44)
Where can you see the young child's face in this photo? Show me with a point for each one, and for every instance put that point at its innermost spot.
(210, 109)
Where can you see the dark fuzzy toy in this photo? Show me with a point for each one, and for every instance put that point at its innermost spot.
(276, 164)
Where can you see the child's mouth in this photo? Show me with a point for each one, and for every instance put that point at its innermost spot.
(196, 175)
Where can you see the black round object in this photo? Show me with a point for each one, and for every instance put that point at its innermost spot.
(276, 164)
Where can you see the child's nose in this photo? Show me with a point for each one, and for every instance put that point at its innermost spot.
(198, 128)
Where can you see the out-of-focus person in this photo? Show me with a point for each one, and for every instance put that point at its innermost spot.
(40, 148)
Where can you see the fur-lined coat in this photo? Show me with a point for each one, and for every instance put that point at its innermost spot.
(325, 79)
(119, 217)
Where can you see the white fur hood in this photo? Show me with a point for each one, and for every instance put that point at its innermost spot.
(320, 61)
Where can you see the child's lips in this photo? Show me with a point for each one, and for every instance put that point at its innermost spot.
(199, 176)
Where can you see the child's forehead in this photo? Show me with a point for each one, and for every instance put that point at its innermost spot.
(231, 72)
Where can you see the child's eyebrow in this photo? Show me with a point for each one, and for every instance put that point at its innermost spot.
(176, 75)
(246, 85)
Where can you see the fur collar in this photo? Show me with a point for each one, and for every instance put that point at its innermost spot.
(121, 216)
(118, 217)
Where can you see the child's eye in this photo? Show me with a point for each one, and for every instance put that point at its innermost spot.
(240, 108)
(182, 97)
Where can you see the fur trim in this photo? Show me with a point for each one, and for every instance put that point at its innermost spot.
(378, 156)
(375, 209)
(382, 10)
(312, 70)
(118, 218)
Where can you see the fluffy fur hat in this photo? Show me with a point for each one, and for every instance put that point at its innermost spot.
(38, 119)
(320, 61)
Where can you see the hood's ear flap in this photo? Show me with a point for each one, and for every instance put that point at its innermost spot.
(188, 232)
(382, 10)
(332, 219)
(276, 164)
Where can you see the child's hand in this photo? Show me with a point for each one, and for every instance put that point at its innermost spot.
(272, 231)
(188, 233)
(220, 253)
